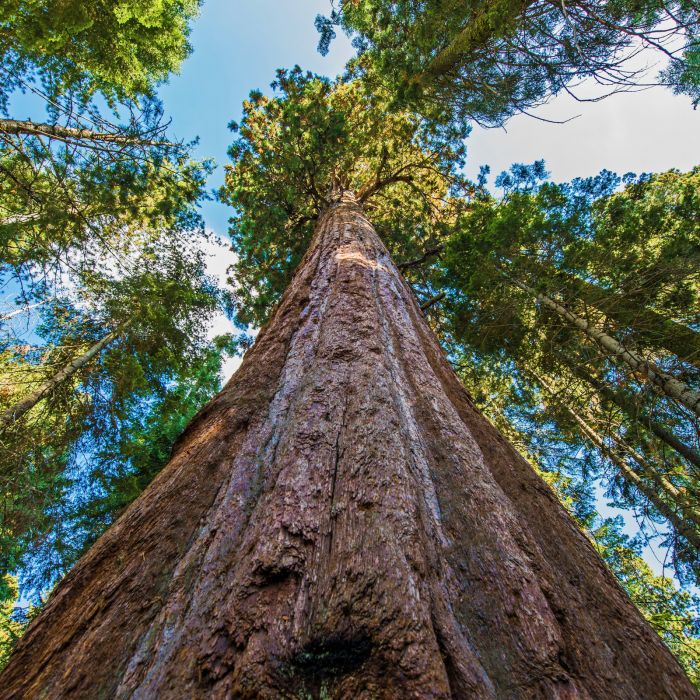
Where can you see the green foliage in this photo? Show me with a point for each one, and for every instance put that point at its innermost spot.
(10, 629)
(121, 49)
(71, 206)
(125, 465)
(91, 188)
(318, 137)
(630, 257)
(97, 227)
(673, 613)
(487, 61)
(625, 261)
(64, 440)
(116, 434)
(13, 620)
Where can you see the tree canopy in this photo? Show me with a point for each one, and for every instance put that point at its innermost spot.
(486, 61)
(120, 49)
(624, 263)
(82, 185)
(102, 252)
(56, 454)
(296, 149)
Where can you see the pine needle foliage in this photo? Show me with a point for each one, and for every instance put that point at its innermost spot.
(297, 148)
(120, 49)
(488, 60)
(55, 454)
(624, 261)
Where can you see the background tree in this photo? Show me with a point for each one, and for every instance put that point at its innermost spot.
(82, 185)
(99, 232)
(486, 61)
(72, 207)
(55, 456)
(626, 263)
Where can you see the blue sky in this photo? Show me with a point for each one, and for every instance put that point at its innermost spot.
(239, 45)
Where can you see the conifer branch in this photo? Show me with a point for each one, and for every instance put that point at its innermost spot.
(24, 309)
(672, 387)
(430, 302)
(366, 192)
(681, 526)
(12, 414)
(663, 483)
(643, 418)
(14, 127)
(421, 260)
(492, 21)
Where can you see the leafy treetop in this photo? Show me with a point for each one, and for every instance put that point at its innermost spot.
(634, 254)
(487, 60)
(295, 149)
(121, 49)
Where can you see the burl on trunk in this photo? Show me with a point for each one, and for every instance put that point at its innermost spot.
(340, 522)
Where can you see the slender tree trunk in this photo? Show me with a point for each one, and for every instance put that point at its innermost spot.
(681, 526)
(639, 416)
(340, 522)
(678, 496)
(25, 309)
(19, 219)
(671, 386)
(648, 470)
(678, 339)
(431, 302)
(67, 133)
(28, 402)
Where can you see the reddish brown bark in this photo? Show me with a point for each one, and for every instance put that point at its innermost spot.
(340, 522)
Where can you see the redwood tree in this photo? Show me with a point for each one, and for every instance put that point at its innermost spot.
(340, 521)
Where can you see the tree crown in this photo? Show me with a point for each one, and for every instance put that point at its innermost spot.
(486, 61)
(121, 49)
(319, 137)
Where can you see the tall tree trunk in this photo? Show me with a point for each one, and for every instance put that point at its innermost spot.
(340, 522)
